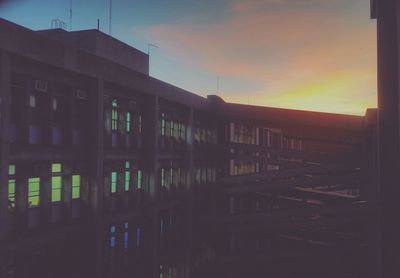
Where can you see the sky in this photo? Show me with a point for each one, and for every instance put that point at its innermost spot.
(317, 55)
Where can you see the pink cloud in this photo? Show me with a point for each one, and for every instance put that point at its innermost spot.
(282, 49)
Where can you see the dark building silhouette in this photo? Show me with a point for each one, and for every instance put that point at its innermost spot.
(108, 172)
(386, 239)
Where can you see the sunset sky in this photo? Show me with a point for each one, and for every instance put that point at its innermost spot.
(315, 55)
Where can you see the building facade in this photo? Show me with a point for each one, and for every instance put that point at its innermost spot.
(108, 172)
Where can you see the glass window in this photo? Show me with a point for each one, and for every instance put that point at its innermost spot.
(32, 101)
(139, 179)
(162, 124)
(56, 187)
(113, 182)
(55, 135)
(128, 121)
(113, 236)
(114, 115)
(126, 236)
(76, 186)
(140, 123)
(56, 167)
(127, 180)
(54, 104)
(33, 192)
(34, 134)
(11, 169)
(11, 194)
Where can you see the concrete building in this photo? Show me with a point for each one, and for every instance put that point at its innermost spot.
(108, 172)
(387, 240)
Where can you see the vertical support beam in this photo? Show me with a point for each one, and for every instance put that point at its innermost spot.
(388, 130)
(5, 103)
(189, 197)
(97, 178)
(150, 129)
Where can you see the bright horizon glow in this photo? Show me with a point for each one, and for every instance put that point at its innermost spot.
(314, 55)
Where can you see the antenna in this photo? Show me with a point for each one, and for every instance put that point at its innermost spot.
(98, 24)
(110, 18)
(70, 15)
(149, 45)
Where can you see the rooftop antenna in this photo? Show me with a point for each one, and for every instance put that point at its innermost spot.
(70, 15)
(149, 45)
(110, 18)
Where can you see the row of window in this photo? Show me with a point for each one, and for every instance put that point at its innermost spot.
(125, 180)
(171, 128)
(34, 184)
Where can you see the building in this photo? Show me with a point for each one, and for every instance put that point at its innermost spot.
(387, 240)
(108, 172)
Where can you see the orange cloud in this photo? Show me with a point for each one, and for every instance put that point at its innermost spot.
(303, 58)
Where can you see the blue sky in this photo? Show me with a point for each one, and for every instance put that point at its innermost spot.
(304, 54)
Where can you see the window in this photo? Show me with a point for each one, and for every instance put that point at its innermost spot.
(139, 179)
(128, 121)
(126, 236)
(56, 168)
(56, 185)
(76, 186)
(33, 192)
(114, 115)
(34, 134)
(113, 182)
(163, 124)
(140, 123)
(54, 104)
(32, 101)
(162, 177)
(11, 187)
(113, 232)
(56, 135)
(127, 180)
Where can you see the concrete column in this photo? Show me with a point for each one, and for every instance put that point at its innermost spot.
(388, 140)
(188, 213)
(5, 92)
(67, 190)
(96, 176)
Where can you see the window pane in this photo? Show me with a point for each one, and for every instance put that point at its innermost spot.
(33, 192)
(127, 180)
(56, 168)
(113, 182)
(139, 179)
(76, 186)
(11, 170)
(56, 189)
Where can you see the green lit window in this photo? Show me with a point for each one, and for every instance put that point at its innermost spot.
(56, 187)
(162, 177)
(11, 194)
(139, 179)
(127, 180)
(33, 192)
(162, 124)
(113, 182)
(56, 168)
(128, 121)
(114, 115)
(76, 186)
(11, 169)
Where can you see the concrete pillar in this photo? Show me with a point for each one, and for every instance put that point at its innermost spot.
(388, 130)
(5, 92)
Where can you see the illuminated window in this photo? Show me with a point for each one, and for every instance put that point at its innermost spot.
(56, 167)
(128, 121)
(33, 192)
(163, 124)
(139, 179)
(11, 187)
(162, 177)
(127, 180)
(76, 186)
(114, 115)
(113, 182)
(32, 101)
(140, 123)
(56, 186)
